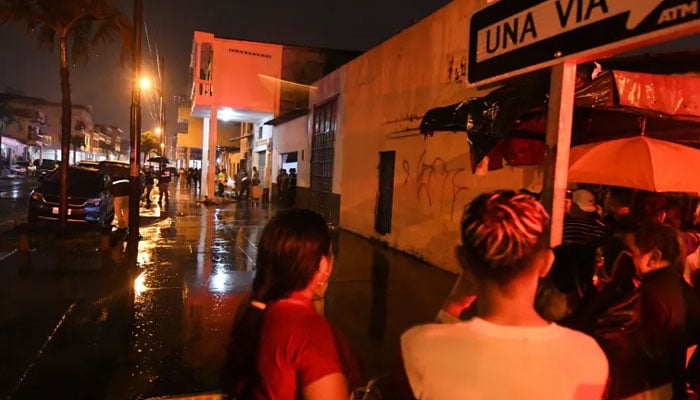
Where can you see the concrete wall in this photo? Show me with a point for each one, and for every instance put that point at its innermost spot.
(383, 96)
(290, 137)
(245, 74)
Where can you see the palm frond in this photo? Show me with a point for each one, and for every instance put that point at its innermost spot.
(80, 38)
(46, 36)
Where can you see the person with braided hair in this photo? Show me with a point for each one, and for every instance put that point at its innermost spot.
(281, 348)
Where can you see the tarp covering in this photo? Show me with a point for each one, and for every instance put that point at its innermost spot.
(614, 104)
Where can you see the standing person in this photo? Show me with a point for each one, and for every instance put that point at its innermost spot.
(120, 189)
(256, 176)
(292, 187)
(163, 185)
(583, 225)
(507, 351)
(282, 181)
(647, 334)
(281, 347)
(149, 180)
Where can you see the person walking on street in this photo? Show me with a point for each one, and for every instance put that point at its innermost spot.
(149, 180)
(163, 184)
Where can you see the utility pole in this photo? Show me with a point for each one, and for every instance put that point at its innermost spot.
(135, 127)
(161, 116)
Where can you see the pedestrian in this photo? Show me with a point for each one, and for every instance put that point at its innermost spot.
(120, 188)
(508, 351)
(646, 333)
(149, 180)
(583, 224)
(256, 176)
(292, 187)
(245, 186)
(221, 186)
(163, 185)
(282, 182)
(280, 346)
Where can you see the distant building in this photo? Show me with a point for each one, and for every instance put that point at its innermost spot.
(239, 85)
(38, 134)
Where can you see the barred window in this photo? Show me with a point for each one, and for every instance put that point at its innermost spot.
(322, 146)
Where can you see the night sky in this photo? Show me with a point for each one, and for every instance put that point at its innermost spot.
(105, 84)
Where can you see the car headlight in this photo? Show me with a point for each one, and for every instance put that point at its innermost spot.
(37, 196)
(94, 202)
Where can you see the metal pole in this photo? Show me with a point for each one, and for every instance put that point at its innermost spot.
(135, 126)
(161, 121)
(560, 114)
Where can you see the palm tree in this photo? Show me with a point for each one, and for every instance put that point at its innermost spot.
(149, 143)
(77, 141)
(80, 25)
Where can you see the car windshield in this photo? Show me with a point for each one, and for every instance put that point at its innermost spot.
(81, 183)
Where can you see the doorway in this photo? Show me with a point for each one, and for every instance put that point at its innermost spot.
(385, 198)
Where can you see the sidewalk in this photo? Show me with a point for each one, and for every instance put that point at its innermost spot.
(194, 267)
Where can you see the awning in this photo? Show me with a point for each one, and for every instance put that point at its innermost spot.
(614, 104)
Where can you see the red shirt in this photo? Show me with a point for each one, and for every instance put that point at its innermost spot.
(297, 347)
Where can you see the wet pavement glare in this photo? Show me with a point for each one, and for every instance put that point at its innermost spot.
(157, 324)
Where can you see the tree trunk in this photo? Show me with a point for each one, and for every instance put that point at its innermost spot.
(65, 128)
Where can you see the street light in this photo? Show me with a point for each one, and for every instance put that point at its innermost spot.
(162, 149)
(146, 84)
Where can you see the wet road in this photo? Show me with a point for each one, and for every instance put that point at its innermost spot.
(14, 196)
(77, 324)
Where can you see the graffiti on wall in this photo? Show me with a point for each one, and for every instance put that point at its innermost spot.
(456, 69)
(437, 184)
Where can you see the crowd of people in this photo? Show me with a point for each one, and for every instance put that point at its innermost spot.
(611, 313)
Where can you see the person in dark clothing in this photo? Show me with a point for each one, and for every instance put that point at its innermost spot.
(245, 185)
(163, 185)
(646, 334)
(616, 205)
(292, 187)
(583, 225)
(282, 185)
(149, 180)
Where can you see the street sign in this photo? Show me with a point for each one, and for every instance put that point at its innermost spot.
(510, 37)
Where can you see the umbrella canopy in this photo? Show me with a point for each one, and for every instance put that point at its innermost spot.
(638, 162)
(159, 160)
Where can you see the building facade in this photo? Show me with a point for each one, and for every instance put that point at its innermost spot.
(249, 83)
(367, 166)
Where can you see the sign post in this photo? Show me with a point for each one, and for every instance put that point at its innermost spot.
(511, 38)
(560, 115)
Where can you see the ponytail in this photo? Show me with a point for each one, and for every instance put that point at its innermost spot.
(289, 252)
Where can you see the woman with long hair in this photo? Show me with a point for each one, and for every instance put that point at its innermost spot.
(281, 347)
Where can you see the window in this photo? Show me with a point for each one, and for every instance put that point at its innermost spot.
(260, 132)
(322, 146)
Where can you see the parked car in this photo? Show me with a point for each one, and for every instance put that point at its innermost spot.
(46, 168)
(89, 164)
(89, 198)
